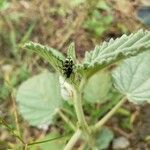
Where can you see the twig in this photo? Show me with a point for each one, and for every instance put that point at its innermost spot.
(120, 131)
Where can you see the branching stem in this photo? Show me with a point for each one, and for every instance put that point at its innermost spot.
(73, 140)
(99, 124)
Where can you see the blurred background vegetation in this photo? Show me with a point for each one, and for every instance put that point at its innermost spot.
(57, 23)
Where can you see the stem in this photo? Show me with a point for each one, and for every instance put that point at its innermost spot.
(99, 124)
(78, 108)
(73, 140)
(49, 140)
(67, 120)
(26, 147)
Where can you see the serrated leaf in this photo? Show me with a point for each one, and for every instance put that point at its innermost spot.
(132, 78)
(97, 88)
(38, 98)
(54, 57)
(114, 50)
(104, 138)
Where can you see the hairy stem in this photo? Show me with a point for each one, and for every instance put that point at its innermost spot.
(73, 140)
(99, 124)
(77, 93)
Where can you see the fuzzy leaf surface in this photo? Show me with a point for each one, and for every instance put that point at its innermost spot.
(113, 51)
(38, 98)
(104, 138)
(97, 88)
(132, 78)
(54, 57)
(57, 144)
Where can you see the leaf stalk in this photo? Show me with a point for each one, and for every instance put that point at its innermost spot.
(100, 123)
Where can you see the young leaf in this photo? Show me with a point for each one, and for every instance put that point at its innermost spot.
(97, 88)
(53, 56)
(132, 78)
(104, 138)
(38, 98)
(113, 51)
(71, 52)
(27, 34)
(56, 144)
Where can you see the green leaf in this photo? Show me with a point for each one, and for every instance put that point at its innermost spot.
(51, 55)
(114, 98)
(104, 138)
(113, 51)
(98, 87)
(71, 52)
(28, 33)
(38, 98)
(132, 78)
(56, 144)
